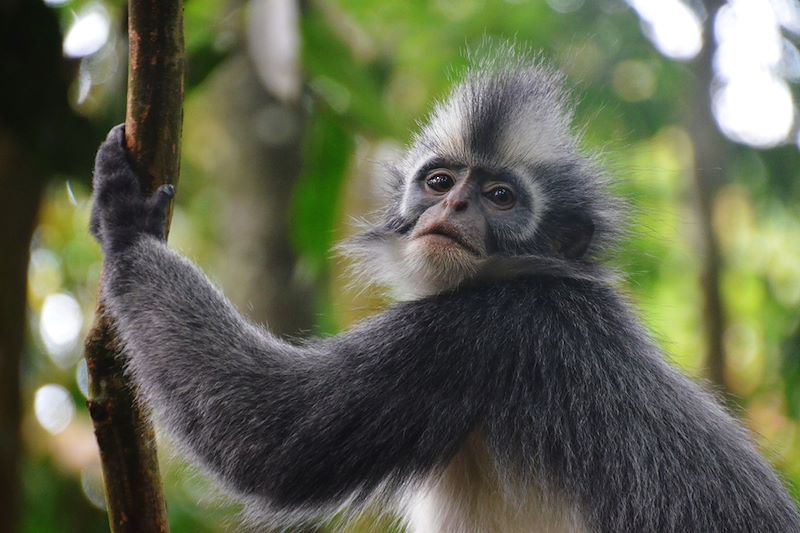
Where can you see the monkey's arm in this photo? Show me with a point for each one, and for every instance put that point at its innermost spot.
(292, 426)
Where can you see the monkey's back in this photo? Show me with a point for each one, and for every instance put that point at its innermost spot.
(585, 408)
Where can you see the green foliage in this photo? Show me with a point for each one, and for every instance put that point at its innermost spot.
(371, 70)
(55, 501)
(350, 88)
(203, 47)
(329, 148)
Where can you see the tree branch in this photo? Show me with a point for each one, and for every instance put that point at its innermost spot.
(152, 132)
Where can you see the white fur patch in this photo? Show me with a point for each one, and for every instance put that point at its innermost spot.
(470, 497)
(409, 269)
(539, 203)
(448, 129)
(535, 135)
(409, 181)
(448, 125)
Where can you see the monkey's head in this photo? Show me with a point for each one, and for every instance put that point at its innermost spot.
(493, 185)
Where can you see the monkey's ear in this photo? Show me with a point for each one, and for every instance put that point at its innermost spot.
(574, 236)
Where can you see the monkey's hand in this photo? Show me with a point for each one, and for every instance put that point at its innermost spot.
(122, 210)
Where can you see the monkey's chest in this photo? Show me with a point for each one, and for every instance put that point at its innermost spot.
(469, 497)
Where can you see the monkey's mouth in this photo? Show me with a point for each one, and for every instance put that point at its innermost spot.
(449, 234)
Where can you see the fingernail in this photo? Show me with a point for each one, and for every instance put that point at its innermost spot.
(168, 190)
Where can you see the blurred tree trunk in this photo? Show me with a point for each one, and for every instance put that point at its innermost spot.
(711, 154)
(34, 114)
(18, 210)
(263, 124)
(259, 177)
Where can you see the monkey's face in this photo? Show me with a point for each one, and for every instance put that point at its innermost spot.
(461, 216)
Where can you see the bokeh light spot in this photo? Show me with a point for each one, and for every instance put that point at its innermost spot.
(44, 275)
(88, 33)
(82, 377)
(92, 485)
(60, 326)
(672, 26)
(757, 109)
(54, 408)
(634, 81)
(748, 38)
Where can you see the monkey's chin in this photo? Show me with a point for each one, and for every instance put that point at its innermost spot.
(435, 263)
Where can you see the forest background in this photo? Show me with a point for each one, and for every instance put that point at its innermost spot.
(291, 106)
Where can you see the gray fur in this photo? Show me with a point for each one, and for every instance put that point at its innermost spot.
(530, 351)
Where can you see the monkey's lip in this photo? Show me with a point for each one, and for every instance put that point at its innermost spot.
(445, 232)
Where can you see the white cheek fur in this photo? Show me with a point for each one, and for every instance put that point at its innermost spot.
(539, 204)
(408, 268)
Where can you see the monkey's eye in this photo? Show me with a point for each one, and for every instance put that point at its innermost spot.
(440, 182)
(501, 197)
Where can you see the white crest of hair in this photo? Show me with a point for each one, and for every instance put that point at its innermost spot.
(537, 124)
(449, 125)
(537, 129)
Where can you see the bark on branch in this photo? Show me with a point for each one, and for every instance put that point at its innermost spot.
(153, 129)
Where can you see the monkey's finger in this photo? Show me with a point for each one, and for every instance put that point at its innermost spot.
(158, 203)
(112, 167)
(157, 208)
(117, 135)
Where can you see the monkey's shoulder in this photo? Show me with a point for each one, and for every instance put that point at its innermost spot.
(526, 319)
(532, 297)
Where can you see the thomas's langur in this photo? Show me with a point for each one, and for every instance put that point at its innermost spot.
(512, 388)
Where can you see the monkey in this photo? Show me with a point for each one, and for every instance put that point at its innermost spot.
(509, 388)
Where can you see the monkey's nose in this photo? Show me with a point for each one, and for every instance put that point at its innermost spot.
(459, 205)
